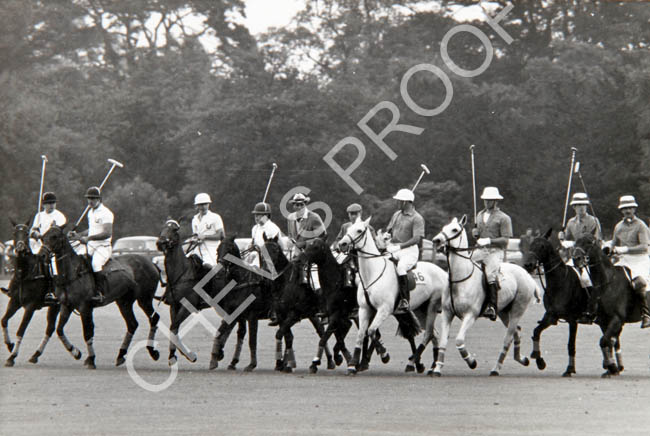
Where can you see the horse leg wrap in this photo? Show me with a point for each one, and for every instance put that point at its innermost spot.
(128, 336)
(463, 352)
(502, 357)
(89, 346)
(19, 340)
(536, 354)
(278, 349)
(355, 357)
(216, 343)
(44, 342)
(291, 358)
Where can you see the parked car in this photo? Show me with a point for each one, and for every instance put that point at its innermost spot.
(8, 257)
(144, 245)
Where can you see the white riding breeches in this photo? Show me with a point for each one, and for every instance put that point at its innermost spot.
(407, 258)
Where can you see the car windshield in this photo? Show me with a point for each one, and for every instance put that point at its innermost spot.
(136, 245)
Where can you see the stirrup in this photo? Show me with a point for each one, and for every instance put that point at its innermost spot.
(50, 299)
(98, 298)
(490, 313)
(402, 308)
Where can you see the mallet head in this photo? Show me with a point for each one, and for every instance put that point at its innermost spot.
(425, 169)
(471, 147)
(44, 157)
(116, 163)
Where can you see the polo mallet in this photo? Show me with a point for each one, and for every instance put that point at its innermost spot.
(584, 188)
(40, 193)
(268, 185)
(568, 188)
(471, 150)
(424, 170)
(114, 164)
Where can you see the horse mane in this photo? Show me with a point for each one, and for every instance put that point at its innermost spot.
(595, 250)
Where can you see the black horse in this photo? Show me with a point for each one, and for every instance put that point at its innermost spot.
(247, 283)
(618, 301)
(184, 297)
(294, 301)
(30, 283)
(130, 278)
(564, 297)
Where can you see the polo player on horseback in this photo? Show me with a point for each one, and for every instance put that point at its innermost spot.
(580, 225)
(207, 230)
(492, 231)
(631, 239)
(42, 222)
(97, 239)
(406, 227)
(354, 213)
(303, 225)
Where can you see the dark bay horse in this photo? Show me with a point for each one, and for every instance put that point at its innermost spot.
(248, 283)
(618, 302)
(30, 284)
(130, 278)
(184, 293)
(294, 301)
(564, 297)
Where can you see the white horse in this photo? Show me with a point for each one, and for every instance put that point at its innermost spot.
(378, 290)
(465, 298)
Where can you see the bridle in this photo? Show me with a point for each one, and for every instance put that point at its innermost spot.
(457, 252)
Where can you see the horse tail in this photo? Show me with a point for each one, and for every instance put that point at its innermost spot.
(408, 325)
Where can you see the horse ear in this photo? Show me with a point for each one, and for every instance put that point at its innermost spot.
(13, 222)
(463, 221)
(548, 233)
(367, 221)
(64, 226)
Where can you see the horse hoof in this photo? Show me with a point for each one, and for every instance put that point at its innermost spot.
(220, 354)
(10, 346)
(313, 369)
(352, 371)
(232, 367)
(566, 374)
(250, 368)
(213, 364)
(541, 364)
(155, 355)
(385, 358)
(315, 362)
(279, 365)
(192, 357)
(173, 361)
(338, 359)
(10, 362)
(430, 373)
(621, 368)
(525, 361)
(364, 367)
(435, 373)
(606, 374)
(494, 373)
(419, 367)
(409, 368)
(287, 370)
(120, 361)
(76, 354)
(90, 362)
(331, 364)
(472, 364)
(35, 356)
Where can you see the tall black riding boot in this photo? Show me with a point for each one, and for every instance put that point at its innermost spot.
(403, 305)
(645, 313)
(491, 306)
(589, 314)
(101, 285)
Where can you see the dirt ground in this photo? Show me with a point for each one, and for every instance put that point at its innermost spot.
(59, 396)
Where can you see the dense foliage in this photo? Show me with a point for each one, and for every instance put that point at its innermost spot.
(82, 81)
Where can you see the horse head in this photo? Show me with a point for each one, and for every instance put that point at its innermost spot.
(453, 234)
(274, 251)
(227, 247)
(55, 239)
(316, 251)
(357, 237)
(540, 251)
(587, 249)
(169, 237)
(21, 239)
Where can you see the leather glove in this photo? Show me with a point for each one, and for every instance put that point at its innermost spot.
(475, 233)
(621, 250)
(35, 235)
(392, 248)
(568, 244)
(561, 236)
(483, 241)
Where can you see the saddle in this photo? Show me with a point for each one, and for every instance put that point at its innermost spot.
(113, 266)
(410, 275)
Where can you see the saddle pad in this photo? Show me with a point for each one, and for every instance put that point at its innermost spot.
(113, 266)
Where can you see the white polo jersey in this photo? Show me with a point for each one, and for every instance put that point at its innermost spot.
(96, 220)
(42, 222)
(207, 225)
(269, 228)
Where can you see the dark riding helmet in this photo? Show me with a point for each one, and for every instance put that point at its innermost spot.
(262, 209)
(93, 192)
(49, 197)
